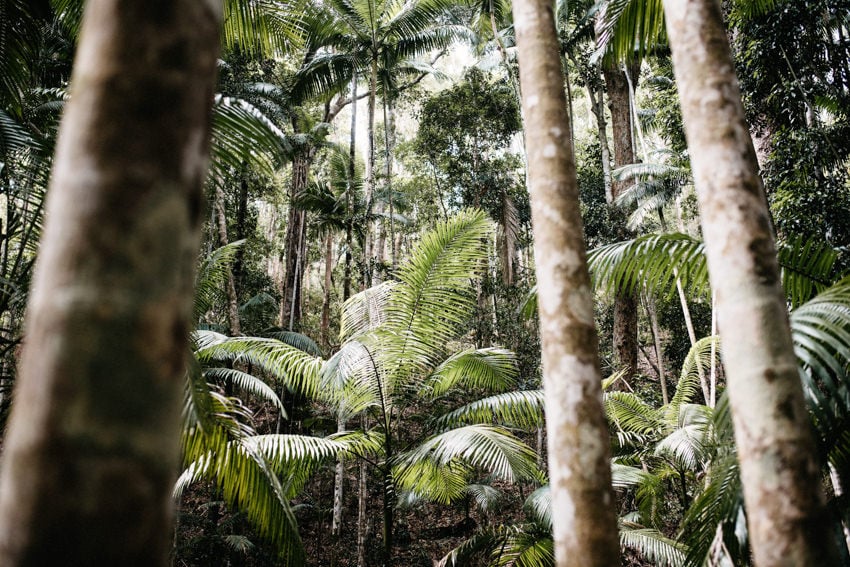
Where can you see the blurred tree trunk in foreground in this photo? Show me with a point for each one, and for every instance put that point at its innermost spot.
(93, 445)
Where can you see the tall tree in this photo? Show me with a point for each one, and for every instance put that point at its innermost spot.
(92, 448)
(788, 523)
(372, 37)
(585, 527)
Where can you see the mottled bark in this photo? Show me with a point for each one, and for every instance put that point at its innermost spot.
(339, 482)
(625, 302)
(788, 523)
(584, 523)
(93, 446)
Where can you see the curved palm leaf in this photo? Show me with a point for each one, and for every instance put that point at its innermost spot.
(807, 267)
(653, 545)
(242, 134)
(297, 369)
(490, 369)
(213, 272)
(246, 382)
(654, 261)
(522, 408)
(492, 448)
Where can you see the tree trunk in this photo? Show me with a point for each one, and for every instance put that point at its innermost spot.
(339, 480)
(652, 313)
(349, 197)
(597, 106)
(232, 300)
(93, 445)
(370, 174)
(326, 299)
(585, 525)
(788, 523)
(295, 245)
(361, 510)
(625, 303)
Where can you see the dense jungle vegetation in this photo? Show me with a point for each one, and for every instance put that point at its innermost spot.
(362, 382)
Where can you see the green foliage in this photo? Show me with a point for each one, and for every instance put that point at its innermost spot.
(464, 133)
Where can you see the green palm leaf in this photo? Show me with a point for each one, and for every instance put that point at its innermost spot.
(522, 408)
(246, 382)
(292, 366)
(492, 448)
(490, 369)
(654, 261)
(652, 545)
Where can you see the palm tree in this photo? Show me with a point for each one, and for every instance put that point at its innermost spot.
(337, 205)
(373, 37)
(397, 348)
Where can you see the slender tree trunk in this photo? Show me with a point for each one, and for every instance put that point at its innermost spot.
(93, 445)
(713, 372)
(339, 480)
(368, 253)
(362, 526)
(232, 299)
(349, 196)
(326, 299)
(787, 519)
(625, 303)
(659, 351)
(585, 526)
(295, 245)
(241, 230)
(598, 108)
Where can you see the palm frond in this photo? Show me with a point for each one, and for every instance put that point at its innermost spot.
(691, 444)
(629, 29)
(246, 382)
(526, 547)
(521, 408)
(698, 358)
(492, 448)
(652, 545)
(654, 261)
(213, 272)
(425, 311)
(365, 311)
(821, 332)
(263, 27)
(297, 340)
(242, 134)
(490, 369)
(443, 483)
(538, 506)
(297, 369)
(247, 483)
(807, 266)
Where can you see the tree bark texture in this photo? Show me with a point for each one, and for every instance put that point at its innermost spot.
(788, 523)
(585, 526)
(625, 303)
(295, 245)
(93, 445)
